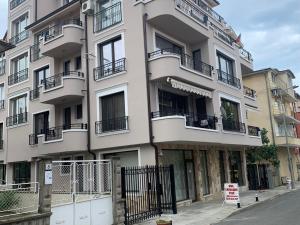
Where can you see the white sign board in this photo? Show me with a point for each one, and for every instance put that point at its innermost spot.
(48, 177)
(231, 193)
(48, 167)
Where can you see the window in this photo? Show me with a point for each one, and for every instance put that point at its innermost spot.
(20, 64)
(41, 75)
(79, 111)
(67, 67)
(41, 123)
(164, 44)
(19, 30)
(21, 172)
(231, 116)
(172, 104)
(18, 105)
(111, 51)
(112, 113)
(225, 64)
(78, 63)
(2, 94)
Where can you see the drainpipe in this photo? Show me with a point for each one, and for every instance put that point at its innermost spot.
(87, 72)
(151, 137)
(270, 106)
(35, 13)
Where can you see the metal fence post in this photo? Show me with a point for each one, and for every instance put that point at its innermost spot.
(158, 190)
(173, 191)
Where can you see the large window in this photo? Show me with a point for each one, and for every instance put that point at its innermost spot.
(17, 111)
(19, 31)
(231, 116)
(172, 104)
(225, 64)
(19, 70)
(164, 44)
(41, 75)
(21, 172)
(41, 123)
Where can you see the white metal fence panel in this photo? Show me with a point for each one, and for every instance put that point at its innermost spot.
(19, 198)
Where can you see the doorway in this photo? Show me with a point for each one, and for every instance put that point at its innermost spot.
(67, 118)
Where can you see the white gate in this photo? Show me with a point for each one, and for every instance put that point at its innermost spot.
(81, 192)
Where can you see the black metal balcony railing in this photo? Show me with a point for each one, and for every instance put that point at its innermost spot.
(14, 3)
(209, 10)
(35, 52)
(249, 92)
(229, 79)
(222, 35)
(192, 119)
(186, 61)
(34, 94)
(191, 10)
(110, 69)
(19, 37)
(233, 125)
(2, 104)
(56, 80)
(2, 67)
(246, 55)
(112, 125)
(56, 30)
(16, 119)
(253, 131)
(18, 77)
(108, 17)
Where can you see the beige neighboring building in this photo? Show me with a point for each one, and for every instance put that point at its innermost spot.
(148, 81)
(268, 84)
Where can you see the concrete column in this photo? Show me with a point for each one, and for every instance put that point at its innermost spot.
(227, 169)
(118, 202)
(45, 189)
(244, 164)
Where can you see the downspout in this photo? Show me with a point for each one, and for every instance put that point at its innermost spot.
(35, 13)
(151, 137)
(270, 106)
(87, 72)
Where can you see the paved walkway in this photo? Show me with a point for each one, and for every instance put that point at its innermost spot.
(212, 212)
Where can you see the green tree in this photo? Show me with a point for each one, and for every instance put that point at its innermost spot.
(266, 152)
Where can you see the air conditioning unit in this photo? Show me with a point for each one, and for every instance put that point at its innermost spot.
(87, 7)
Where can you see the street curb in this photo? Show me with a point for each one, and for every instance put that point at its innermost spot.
(238, 211)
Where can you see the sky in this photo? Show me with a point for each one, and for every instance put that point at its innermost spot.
(270, 30)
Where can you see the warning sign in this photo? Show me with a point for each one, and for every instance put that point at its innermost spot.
(231, 192)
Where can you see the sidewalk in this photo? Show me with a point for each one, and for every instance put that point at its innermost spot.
(213, 212)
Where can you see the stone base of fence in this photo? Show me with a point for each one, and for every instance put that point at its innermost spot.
(27, 219)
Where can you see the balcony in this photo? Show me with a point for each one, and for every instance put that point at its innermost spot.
(192, 119)
(110, 69)
(63, 87)
(229, 79)
(15, 3)
(167, 63)
(182, 19)
(233, 126)
(35, 52)
(246, 55)
(292, 141)
(250, 97)
(18, 77)
(19, 37)
(16, 119)
(280, 87)
(34, 94)
(112, 125)
(63, 40)
(254, 131)
(280, 115)
(222, 35)
(61, 139)
(108, 17)
(2, 67)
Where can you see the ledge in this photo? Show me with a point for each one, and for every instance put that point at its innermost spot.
(23, 217)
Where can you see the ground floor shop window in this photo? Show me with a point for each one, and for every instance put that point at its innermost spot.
(204, 173)
(21, 172)
(182, 160)
(236, 167)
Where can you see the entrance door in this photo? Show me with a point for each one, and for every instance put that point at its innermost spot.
(67, 118)
(41, 123)
(204, 173)
(197, 60)
(263, 175)
(252, 177)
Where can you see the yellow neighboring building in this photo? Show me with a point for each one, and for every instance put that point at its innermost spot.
(269, 84)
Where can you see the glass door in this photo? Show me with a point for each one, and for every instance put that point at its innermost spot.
(67, 118)
(204, 173)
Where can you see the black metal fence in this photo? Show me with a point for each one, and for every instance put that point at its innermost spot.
(19, 37)
(229, 79)
(148, 191)
(253, 131)
(18, 77)
(16, 119)
(56, 80)
(233, 125)
(112, 125)
(108, 17)
(109, 69)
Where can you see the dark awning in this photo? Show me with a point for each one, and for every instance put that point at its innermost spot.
(4, 46)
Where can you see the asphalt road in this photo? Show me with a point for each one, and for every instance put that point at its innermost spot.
(284, 210)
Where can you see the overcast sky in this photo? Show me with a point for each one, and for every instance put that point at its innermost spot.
(270, 30)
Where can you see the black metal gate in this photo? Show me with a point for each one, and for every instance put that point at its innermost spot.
(148, 191)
